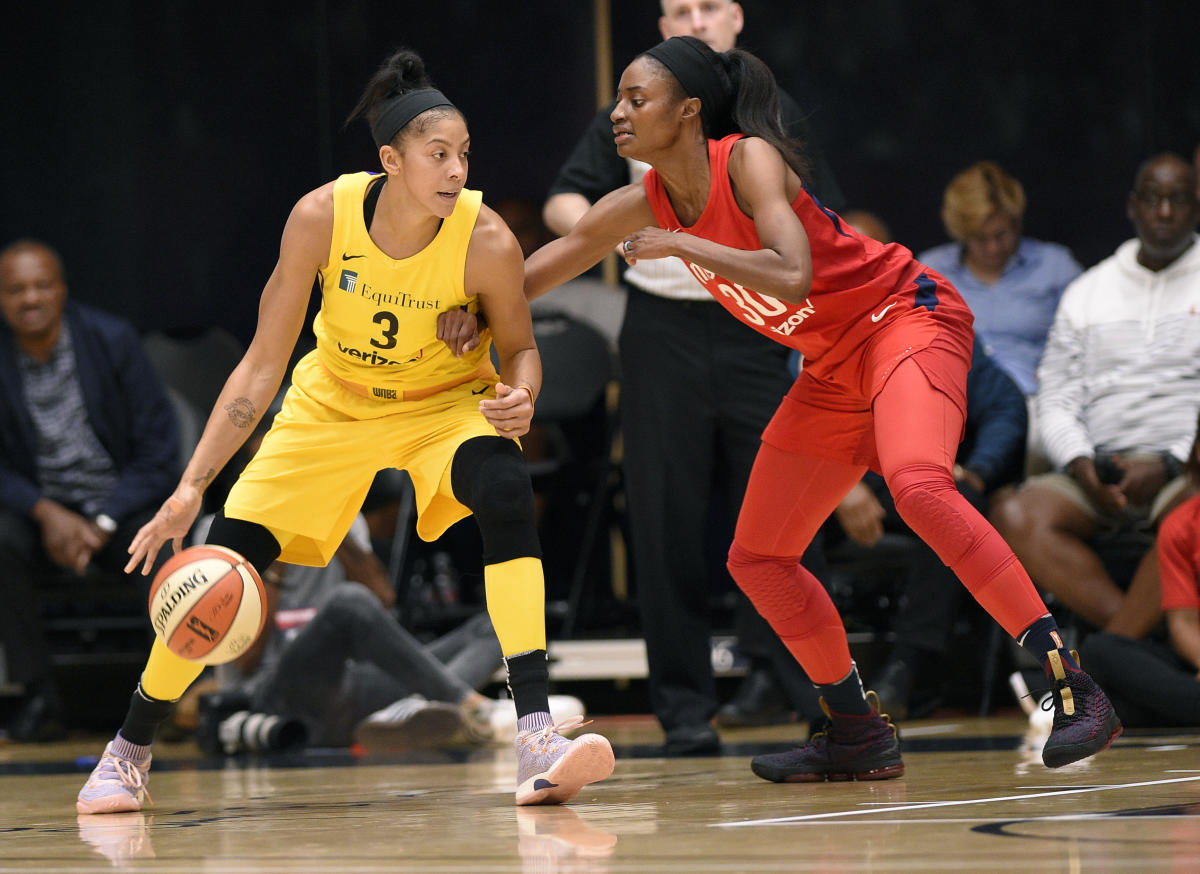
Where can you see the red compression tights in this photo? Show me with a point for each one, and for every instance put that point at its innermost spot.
(789, 496)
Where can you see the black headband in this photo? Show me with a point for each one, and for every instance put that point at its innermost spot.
(399, 111)
(700, 73)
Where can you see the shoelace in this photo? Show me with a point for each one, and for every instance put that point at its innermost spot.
(1045, 698)
(545, 734)
(127, 773)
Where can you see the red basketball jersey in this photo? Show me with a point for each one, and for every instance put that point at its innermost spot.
(858, 283)
(1179, 556)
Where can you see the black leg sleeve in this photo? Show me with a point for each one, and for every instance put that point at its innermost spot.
(249, 539)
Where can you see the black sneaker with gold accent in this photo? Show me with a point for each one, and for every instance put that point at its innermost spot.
(1084, 720)
(853, 747)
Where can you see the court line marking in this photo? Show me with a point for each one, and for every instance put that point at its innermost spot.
(1032, 818)
(922, 730)
(925, 805)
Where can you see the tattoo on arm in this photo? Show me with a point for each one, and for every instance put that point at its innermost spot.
(205, 478)
(241, 412)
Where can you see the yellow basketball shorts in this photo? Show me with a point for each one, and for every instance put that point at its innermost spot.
(308, 480)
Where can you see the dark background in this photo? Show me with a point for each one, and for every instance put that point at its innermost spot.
(160, 146)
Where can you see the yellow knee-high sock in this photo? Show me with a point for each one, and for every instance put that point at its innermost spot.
(167, 676)
(516, 601)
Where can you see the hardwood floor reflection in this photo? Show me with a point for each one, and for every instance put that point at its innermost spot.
(974, 799)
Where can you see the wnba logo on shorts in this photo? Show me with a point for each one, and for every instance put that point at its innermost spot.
(348, 281)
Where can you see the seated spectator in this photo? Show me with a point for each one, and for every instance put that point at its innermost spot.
(1119, 390)
(1151, 682)
(930, 596)
(89, 448)
(1011, 283)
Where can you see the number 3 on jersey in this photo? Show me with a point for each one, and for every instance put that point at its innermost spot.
(390, 324)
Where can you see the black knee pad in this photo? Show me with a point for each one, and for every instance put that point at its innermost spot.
(489, 476)
(249, 539)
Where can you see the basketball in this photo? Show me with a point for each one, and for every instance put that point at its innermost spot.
(207, 604)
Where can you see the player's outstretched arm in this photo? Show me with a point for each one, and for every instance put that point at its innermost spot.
(591, 238)
(253, 383)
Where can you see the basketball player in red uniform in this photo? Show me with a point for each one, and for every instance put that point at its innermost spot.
(886, 345)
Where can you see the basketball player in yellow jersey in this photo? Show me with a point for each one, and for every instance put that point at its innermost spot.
(392, 251)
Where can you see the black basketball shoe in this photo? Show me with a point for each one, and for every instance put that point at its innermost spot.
(852, 747)
(1084, 720)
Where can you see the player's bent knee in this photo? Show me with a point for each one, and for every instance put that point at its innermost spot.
(764, 578)
(489, 476)
(252, 541)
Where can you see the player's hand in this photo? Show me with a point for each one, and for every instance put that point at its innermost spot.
(459, 330)
(648, 243)
(861, 515)
(510, 412)
(69, 539)
(173, 521)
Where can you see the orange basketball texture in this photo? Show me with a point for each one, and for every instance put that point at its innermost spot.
(207, 604)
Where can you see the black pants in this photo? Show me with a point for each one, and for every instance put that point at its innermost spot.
(1147, 683)
(353, 658)
(28, 570)
(697, 389)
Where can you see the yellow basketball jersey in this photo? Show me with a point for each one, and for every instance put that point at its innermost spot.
(377, 327)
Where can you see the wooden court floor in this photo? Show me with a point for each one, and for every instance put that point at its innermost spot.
(973, 800)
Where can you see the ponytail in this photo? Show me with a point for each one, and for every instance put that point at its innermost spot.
(737, 93)
(756, 109)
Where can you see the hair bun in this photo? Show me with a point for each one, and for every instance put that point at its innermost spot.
(408, 68)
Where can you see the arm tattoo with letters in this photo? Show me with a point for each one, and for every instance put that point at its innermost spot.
(241, 412)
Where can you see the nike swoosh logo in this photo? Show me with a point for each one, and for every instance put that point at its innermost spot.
(346, 257)
(875, 317)
(481, 391)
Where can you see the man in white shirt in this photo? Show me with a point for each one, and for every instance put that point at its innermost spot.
(1119, 390)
